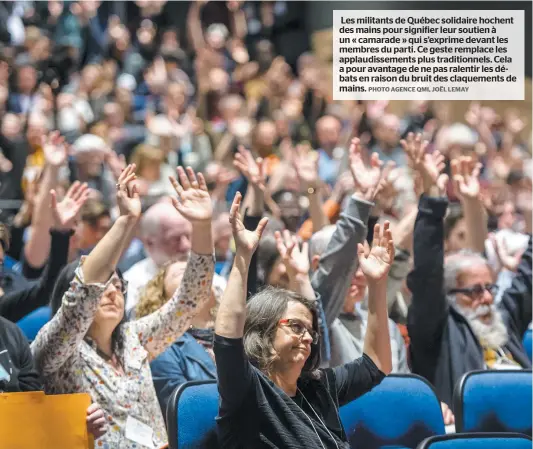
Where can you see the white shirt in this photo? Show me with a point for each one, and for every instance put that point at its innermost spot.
(138, 276)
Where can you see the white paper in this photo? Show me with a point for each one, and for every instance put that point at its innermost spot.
(139, 432)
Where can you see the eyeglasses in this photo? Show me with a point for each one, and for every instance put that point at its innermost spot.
(120, 285)
(300, 329)
(476, 290)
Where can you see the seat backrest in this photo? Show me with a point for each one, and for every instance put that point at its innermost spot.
(401, 411)
(32, 323)
(528, 343)
(191, 413)
(477, 441)
(494, 401)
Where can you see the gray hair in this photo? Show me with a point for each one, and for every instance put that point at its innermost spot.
(263, 312)
(320, 240)
(458, 262)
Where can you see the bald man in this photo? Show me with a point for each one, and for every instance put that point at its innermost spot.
(330, 153)
(165, 235)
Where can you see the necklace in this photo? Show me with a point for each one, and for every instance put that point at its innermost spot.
(319, 419)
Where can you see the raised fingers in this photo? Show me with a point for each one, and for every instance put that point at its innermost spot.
(234, 210)
(192, 178)
(184, 180)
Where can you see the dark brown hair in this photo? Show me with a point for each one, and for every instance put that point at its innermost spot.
(5, 237)
(264, 310)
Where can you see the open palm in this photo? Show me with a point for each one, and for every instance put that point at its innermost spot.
(65, 213)
(246, 241)
(306, 165)
(376, 263)
(128, 200)
(54, 149)
(296, 260)
(252, 169)
(465, 175)
(193, 200)
(365, 178)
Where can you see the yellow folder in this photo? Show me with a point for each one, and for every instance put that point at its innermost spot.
(38, 421)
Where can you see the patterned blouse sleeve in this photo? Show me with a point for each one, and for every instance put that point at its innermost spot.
(58, 340)
(161, 328)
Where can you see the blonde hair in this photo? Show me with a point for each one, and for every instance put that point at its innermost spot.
(144, 154)
(153, 295)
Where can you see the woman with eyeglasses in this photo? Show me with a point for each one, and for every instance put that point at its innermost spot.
(267, 352)
(87, 347)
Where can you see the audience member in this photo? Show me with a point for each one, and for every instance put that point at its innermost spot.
(89, 335)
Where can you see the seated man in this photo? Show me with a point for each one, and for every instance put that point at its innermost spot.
(453, 323)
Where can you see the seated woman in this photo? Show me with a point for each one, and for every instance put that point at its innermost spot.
(272, 394)
(191, 356)
(87, 347)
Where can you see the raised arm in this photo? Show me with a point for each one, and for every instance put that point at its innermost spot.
(339, 261)
(37, 250)
(429, 307)
(305, 163)
(254, 201)
(358, 376)
(60, 338)
(232, 310)
(375, 265)
(159, 329)
(465, 175)
(16, 305)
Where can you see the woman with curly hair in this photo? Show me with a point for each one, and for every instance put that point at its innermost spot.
(191, 356)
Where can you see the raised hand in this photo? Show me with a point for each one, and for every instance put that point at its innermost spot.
(305, 162)
(367, 179)
(430, 166)
(115, 162)
(513, 123)
(465, 176)
(66, 212)
(253, 170)
(507, 260)
(54, 149)
(386, 196)
(193, 200)
(245, 241)
(376, 263)
(296, 260)
(128, 200)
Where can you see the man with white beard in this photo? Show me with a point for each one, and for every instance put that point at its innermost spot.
(454, 325)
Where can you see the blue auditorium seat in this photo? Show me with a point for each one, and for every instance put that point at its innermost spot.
(399, 413)
(32, 323)
(191, 413)
(528, 343)
(477, 441)
(494, 401)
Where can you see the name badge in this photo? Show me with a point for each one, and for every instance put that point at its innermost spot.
(139, 432)
(4, 375)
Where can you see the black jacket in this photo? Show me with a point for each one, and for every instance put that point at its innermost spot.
(16, 360)
(443, 346)
(16, 305)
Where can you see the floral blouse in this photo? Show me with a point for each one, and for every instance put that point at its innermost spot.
(69, 363)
